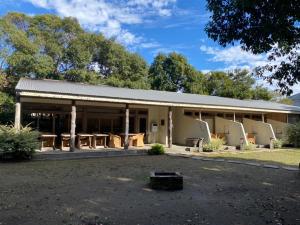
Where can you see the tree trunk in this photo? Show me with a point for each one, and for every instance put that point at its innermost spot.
(73, 127)
(126, 143)
(170, 128)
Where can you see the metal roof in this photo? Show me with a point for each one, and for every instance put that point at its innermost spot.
(79, 89)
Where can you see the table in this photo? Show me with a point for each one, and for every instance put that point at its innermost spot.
(65, 141)
(130, 140)
(195, 142)
(95, 136)
(87, 138)
(47, 139)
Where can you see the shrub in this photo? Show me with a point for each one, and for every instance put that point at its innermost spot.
(293, 134)
(214, 145)
(17, 144)
(277, 143)
(156, 149)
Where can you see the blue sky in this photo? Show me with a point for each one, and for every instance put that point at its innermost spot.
(148, 27)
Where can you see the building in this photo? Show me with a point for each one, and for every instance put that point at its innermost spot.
(60, 107)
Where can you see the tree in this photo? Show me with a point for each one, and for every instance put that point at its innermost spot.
(261, 27)
(235, 84)
(260, 92)
(172, 72)
(47, 46)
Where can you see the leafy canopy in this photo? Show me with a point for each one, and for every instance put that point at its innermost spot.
(261, 26)
(172, 72)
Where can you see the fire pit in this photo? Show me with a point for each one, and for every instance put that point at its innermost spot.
(166, 181)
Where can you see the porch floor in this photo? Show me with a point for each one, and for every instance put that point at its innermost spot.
(89, 153)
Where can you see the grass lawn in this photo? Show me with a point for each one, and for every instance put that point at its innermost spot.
(115, 191)
(289, 157)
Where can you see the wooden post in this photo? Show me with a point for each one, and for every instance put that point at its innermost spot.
(18, 114)
(170, 128)
(73, 127)
(126, 142)
(200, 115)
(263, 117)
(84, 120)
(53, 123)
(234, 116)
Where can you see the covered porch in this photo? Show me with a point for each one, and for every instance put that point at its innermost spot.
(70, 125)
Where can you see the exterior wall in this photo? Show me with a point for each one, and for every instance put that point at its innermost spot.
(279, 128)
(234, 131)
(156, 115)
(188, 127)
(277, 116)
(263, 131)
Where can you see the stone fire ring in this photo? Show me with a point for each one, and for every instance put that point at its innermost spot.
(169, 181)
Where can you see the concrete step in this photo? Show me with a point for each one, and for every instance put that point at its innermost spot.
(86, 154)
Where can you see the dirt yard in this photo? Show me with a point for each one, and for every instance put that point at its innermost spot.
(115, 191)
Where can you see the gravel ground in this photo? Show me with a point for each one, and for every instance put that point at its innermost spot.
(115, 191)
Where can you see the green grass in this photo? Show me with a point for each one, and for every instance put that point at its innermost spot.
(289, 157)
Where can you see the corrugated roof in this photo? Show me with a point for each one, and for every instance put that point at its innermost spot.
(79, 89)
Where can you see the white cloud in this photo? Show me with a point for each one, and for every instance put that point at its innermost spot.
(234, 57)
(109, 17)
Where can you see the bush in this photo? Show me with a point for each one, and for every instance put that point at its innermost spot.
(214, 145)
(293, 134)
(17, 144)
(277, 143)
(156, 149)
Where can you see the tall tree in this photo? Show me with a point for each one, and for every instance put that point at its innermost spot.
(236, 84)
(172, 72)
(261, 26)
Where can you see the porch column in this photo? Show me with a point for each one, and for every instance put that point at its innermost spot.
(18, 114)
(73, 127)
(126, 142)
(84, 120)
(200, 115)
(263, 117)
(234, 116)
(170, 128)
(53, 123)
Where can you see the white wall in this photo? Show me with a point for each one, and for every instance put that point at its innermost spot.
(233, 131)
(188, 127)
(263, 131)
(155, 115)
(279, 128)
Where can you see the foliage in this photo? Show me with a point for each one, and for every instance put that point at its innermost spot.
(260, 30)
(261, 93)
(17, 144)
(172, 72)
(286, 101)
(249, 147)
(236, 84)
(47, 46)
(293, 134)
(156, 149)
(214, 145)
(277, 143)
(6, 108)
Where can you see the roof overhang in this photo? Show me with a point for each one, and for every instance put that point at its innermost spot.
(144, 102)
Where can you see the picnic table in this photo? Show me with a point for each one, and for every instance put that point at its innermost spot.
(84, 140)
(65, 141)
(194, 141)
(96, 137)
(47, 141)
(130, 139)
